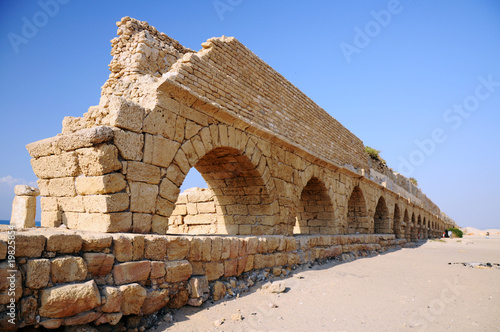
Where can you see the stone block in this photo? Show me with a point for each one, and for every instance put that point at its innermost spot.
(28, 310)
(175, 175)
(177, 247)
(68, 300)
(43, 147)
(127, 247)
(213, 270)
(155, 247)
(3, 249)
(216, 251)
(68, 269)
(219, 291)
(159, 151)
(126, 114)
(132, 299)
(64, 243)
(99, 160)
(81, 318)
(200, 219)
(155, 300)
(159, 224)
(24, 190)
(37, 273)
(230, 267)
(62, 187)
(98, 264)
(178, 271)
(142, 172)
(128, 272)
(169, 190)
(95, 241)
(84, 138)
(106, 223)
(160, 122)
(23, 212)
(206, 207)
(113, 296)
(29, 245)
(109, 318)
(56, 166)
(141, 223)
(157, 269)
(198, 287)
(106, 203)
(71, 124)
(143, 197)
(50, 219)
(49, 204)
(71, 204)
(6, 285)
(99, 185)
(129, 144)
(164, 207)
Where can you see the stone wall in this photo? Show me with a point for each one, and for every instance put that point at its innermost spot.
(65, 277)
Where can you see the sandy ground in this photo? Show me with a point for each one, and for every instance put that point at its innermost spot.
(404, 290)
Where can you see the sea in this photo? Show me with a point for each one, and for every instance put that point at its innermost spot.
(7, 222)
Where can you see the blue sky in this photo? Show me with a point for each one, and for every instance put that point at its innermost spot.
(419, 80)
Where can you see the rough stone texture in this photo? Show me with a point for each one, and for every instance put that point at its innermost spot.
(155, 300)
(99, 160)
(125, 273)
(23, 212)
(64, 243)
(99, 264)
(37, 273)
(68, 269)
(178, 271)
(113, 297)
(133, 298)
(24, 190)
(98, 185)
(69, 300)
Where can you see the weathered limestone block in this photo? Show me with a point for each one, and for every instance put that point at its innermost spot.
(8, 281)
(81, 318)
(65, 243)
(159, 224)
(62, 187)
(68, 269)
(106, 203)
(85, 138)
(157, 269)
(95, 241)
(23, 212)
(178, 299)
(56, 166)
(106, 223)
(177, 248)
(155, 247)
(111, 318)
(29, 245)
(51, 219)
(128, 272)
(133, 299)
(143, 197)
(219, 291)
(155, 300)
(113, 296)
(178, 271)
(126, 114)
(71, 204)
(142, 172)
(129, 144)
(98, 160)
(164, 207)
(159, 151)
(49, 204)
(43, 147)
(28, 308)
(71, 124)
(198, 287)
(3, 249)
(160, 122)
(141, 223)
(68, 300)
(99, 264)
(24, 190)
(127, 247)
(98, 185)
(213, 270)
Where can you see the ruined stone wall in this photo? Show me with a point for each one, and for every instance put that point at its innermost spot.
(71, 278)
(226, 113)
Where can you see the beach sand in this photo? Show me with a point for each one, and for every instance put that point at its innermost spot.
(409, 289)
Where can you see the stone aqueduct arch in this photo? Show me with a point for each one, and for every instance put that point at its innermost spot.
(276, 162)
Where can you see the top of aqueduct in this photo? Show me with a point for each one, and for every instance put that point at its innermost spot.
(166, 108)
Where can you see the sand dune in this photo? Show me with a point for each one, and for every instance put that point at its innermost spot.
(474, 231)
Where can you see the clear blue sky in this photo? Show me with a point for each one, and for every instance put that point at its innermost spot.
(392, 72)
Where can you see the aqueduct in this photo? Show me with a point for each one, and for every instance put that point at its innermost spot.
(288, 184)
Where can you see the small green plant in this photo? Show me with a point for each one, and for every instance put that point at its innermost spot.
(374, 154)
(456, 232)
(414, 181)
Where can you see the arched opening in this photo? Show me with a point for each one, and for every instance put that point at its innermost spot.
(419, 228)
(396, 225)
(315, 212)
(237, 193)
(407, 227)
(357, 216)
(382, 221)
(425, 229)
(413, 232)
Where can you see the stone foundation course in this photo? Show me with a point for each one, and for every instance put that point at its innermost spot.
(65, 277)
